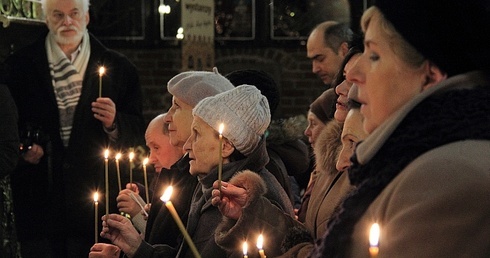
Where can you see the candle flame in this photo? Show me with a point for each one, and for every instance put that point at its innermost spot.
(260, 242)
(131, 155)
(221, 127)
(166, 195)
(96, 196)
(245, 248)
(106, 154)
(145, 161)
(118, 156)
(374, 235)
(101, 70)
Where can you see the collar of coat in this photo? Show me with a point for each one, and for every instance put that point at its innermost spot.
(454, 110)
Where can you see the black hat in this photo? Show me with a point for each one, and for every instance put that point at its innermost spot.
(454, 34)
(260, 79)
(324, 106)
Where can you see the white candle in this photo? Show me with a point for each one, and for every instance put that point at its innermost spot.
(131, 157)
(220, 164)
(96, 207)
(145, 161)
(106, 165)
(166, 199)
(374, 240)
(101, 73)
(245, 249)
(260, 246)
(118, 156)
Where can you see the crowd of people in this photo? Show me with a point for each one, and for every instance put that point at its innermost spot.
(400, 137)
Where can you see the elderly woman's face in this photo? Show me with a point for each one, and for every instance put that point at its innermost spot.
(342, 91)
(315, 126)
(203, 148)
(385, 81)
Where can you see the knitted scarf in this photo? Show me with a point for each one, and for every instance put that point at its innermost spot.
(67, 80)
(442, 118)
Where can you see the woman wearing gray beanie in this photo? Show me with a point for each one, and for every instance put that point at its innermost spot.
(245, 114)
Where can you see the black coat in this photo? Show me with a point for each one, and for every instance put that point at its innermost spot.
(55, 196)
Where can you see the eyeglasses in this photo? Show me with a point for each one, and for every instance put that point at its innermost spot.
(58, 16)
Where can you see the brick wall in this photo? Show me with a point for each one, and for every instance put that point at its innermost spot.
(288, 66)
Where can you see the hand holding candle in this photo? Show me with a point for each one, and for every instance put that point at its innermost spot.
(106, 165)
(101, 73)
(260, 246)
(118, 156)
(96, 207)
(220, 164)
(374, 240)
(166, 199)
(145, 161)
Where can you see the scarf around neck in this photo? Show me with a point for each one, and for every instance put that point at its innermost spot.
(440, 119)
(67, 79)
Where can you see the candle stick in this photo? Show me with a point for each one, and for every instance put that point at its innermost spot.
(166, 199)
(118, 156)
(96, 207)
(245, 247)
(220, 164)
(131, 156)
(260, 244)
(145, 161)
(101, 72)
(374, 240)
(106, 165)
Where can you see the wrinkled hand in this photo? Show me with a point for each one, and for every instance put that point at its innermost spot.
(126, 204)
(102, 250)
(133, 187)
(105, 111)
(231, 201)
(120, 231)
(34, 154)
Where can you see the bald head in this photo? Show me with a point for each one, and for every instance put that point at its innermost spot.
(327, 45)
(162, 153)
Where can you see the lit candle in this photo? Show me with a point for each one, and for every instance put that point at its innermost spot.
(374, 240)
(131, 157)
(245, 247)
(106, 165)
(101, 73)
(145, 161)
(166, 199)
(260, 245)
(96, 207)
(118, 156)
(220, 164)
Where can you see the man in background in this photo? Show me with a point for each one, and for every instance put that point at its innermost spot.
(69, 118)
(327, 45)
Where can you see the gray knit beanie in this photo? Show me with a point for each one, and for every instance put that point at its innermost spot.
(193, 86)
(244, 111)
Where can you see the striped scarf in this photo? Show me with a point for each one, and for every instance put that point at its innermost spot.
(67, 81)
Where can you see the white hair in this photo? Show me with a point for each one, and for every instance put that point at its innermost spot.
(85, 5)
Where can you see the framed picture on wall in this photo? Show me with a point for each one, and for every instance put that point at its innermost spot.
(118, 20)
(234, 19)
(294, 20)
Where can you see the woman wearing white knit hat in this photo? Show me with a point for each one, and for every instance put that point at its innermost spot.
(245, 115)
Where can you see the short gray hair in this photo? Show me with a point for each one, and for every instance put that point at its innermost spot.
(85, 5)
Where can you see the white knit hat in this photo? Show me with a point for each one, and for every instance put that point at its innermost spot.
(193, 86)
(244, 111)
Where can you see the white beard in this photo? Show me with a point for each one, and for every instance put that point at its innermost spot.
(75, 40)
